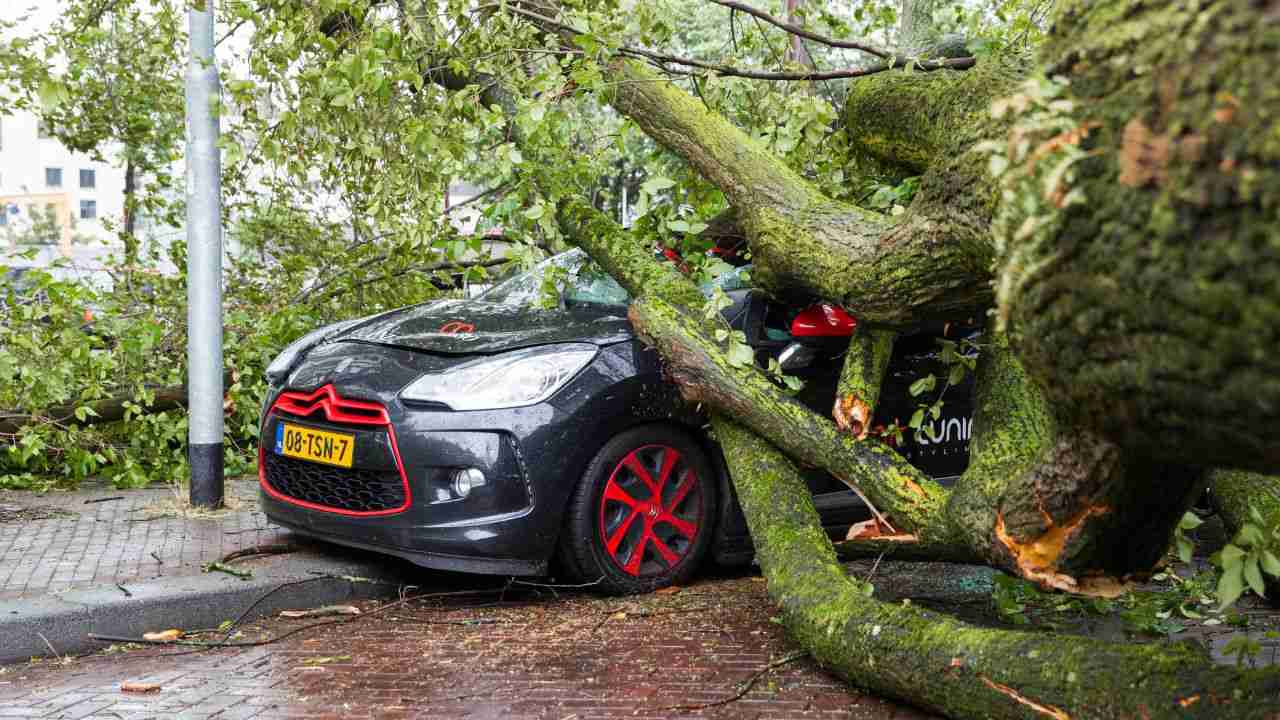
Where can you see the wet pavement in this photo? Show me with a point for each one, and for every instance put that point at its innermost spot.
(58, 541)
(483, 651)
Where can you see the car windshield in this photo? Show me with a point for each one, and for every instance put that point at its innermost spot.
(585, 283)
(582, 281)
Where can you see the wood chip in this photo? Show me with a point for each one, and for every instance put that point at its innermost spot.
(140, 688)
(163, 636)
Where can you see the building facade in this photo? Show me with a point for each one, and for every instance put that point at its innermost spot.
(43, 181)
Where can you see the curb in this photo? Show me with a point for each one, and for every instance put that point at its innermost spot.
(61, 623)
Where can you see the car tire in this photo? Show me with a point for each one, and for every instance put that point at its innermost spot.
(616, 537)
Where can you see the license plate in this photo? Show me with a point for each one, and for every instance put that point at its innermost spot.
(320, 446)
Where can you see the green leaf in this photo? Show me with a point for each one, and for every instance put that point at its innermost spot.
(1256, 515)
(1270, 563)
(956, 376)
(741, 355)
(1230, 586)
(536, 212)
(1190, 521)
(917, 419)
(721, 334)
(1185, 548)
(52, 94)
(1253, 576)
(1251, 535)
(1230, 556)
(345, 99)
(923, 385)
(657, 184)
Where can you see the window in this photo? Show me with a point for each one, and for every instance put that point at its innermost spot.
(53, 177)
(88, 209)
(88, 178)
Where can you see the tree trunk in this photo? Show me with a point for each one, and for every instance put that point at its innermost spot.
(1150, 309)
(957, 669)
(102, 411)
(1055, 491)
(803, 243)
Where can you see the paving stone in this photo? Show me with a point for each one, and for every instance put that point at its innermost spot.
(57, 542)
(538, 657)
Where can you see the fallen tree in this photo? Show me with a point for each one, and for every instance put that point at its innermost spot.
(1114, 202)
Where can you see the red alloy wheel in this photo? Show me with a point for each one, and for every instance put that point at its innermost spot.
(649, 511)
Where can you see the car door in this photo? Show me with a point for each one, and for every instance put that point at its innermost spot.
(811, 344)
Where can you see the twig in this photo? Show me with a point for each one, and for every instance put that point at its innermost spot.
(157, 557)
(105, 499)
(49, 645)
(731, 71)
(275, 549)
(610, 614)
(807, 34)
(219, 567)
(268, 641)
(124, 590)
(241, 532)
(745, 686)
(479, 196)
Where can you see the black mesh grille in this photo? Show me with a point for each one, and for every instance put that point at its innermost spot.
(351, 489)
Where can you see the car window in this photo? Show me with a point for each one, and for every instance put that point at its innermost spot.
(586, 283)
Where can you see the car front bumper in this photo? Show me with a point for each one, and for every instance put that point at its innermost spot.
(531, 458)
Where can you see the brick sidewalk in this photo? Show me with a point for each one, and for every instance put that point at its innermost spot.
(483, 656)
(59, 541)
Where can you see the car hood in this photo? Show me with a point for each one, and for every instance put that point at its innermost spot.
(459, 327)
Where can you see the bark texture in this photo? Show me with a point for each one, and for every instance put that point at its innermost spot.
(804, 243)
(954, 668)
(863, 373)
(1150, 311)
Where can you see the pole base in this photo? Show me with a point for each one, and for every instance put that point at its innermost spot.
(206, 475)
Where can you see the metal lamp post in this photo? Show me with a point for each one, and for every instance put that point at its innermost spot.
(204, 265)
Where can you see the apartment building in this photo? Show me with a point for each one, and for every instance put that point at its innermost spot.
(38, 175)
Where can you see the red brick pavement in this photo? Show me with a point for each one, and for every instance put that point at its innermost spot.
(57, 541)
(484, 656)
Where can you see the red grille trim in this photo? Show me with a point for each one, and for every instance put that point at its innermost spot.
(336, 409)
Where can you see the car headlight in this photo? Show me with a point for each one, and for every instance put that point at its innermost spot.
(288, 357)
(512, 379)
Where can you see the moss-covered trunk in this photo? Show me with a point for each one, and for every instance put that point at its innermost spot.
(954, 668)
(888, 271)
(1150, 310)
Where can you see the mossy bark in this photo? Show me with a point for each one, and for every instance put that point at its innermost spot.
(1150, 312)
(1234, 493)
(957, 669)
(805, 244)
(858, 390)
(700, 366)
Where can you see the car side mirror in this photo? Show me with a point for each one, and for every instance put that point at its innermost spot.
(822, 320)
(796, 355)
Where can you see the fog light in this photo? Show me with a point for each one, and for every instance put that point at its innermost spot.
(466, 480)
